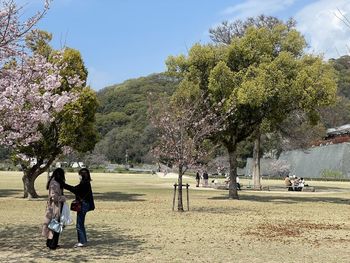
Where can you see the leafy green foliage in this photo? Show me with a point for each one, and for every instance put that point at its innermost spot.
(260, 77)
(332, 174)
(122, 118)
(342, 66)
(74, 126)
(78, 129)
(37, 41)
(339, 113)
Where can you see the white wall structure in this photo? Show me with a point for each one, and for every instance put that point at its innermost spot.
(331, 161)
(320, 161)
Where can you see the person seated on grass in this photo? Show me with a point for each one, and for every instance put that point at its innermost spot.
(237, 183)
(227, 179)
(297, 184)
(288, 183)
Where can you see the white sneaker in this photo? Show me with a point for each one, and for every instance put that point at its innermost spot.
(78, 245)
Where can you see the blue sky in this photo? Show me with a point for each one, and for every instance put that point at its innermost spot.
(122, 39)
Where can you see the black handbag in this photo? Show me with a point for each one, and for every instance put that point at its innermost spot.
(76, 205)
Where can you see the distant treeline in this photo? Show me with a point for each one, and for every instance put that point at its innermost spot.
(123, 124)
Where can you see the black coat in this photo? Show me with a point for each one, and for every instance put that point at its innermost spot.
(82, 192)
(205, 176)
(198, 176)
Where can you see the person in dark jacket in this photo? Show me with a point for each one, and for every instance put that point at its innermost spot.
(83, 192)
(206, 178)
(198, 178)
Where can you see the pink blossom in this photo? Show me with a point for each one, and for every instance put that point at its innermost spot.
(30, 85)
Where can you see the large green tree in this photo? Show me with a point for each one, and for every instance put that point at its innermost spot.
(339, 113)
(261, 76)
(74, 126)
(224, 34)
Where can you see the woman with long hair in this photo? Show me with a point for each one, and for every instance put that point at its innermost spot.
(54, 206)
(83, 192)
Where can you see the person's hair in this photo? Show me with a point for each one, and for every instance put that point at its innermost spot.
(85, 175)
(58, 175)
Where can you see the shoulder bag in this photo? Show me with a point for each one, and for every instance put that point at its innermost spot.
(55, 226)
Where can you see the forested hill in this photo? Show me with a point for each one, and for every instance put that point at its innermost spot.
(123, 124)
(122, 117)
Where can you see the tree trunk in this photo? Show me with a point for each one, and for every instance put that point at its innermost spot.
(180, 206)
(231, 149)
(256, 163)
(31, 173)
(28, 185)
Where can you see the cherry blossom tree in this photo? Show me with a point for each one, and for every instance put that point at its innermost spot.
(13, 31)
(30, 86)
(27, 83)
(71, 128)
(280, 167)
(28, 100)
(182, 132)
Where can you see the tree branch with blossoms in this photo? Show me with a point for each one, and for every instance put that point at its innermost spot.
(29, 98)
(33, 93)
(12, 30)
(182, 129)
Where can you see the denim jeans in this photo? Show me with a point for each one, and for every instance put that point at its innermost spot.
(80, 223)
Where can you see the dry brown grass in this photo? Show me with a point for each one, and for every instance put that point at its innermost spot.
(133, 222)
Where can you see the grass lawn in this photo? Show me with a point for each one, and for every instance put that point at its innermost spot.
(133, 222)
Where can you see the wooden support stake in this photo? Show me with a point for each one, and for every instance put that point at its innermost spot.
(188, 203)
(187, 195)
(175, 185)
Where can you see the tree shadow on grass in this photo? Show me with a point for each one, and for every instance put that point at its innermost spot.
(111, 196)
(10, 192)
(330, 189)
(23, 244)
(318, 188)
(218, 210)
(118, 196)
(285, 199)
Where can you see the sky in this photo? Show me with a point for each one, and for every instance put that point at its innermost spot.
(123, 39)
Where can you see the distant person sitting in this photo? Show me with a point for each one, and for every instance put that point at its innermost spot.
(288, 183)
(238, 185)
(302, 182)
(299, 183)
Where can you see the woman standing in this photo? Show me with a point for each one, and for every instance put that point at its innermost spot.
(54, 206)
(83, 192)
(198, 178)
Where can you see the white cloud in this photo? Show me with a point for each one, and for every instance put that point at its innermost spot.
(324, 32)
(256, 7)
